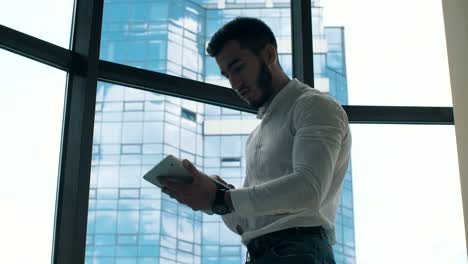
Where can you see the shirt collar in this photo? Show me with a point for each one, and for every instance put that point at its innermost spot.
(282, 94)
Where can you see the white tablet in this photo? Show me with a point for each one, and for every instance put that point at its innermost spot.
(172, 169)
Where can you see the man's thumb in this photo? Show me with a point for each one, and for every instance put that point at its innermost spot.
(189, 166)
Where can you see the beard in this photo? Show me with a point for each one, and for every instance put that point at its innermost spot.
(264, 85)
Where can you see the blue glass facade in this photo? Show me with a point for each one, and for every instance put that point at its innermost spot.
(129, 220)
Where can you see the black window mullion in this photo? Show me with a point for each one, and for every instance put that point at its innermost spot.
(171, 85)
(221, 96)
(415, 115)
(76, 148)
(35, 49)
(302, 53)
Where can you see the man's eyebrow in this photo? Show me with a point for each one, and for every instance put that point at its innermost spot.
(230, 65)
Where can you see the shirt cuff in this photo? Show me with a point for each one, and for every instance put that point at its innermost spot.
(241, 201)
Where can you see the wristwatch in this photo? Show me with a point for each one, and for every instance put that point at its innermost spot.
(219, 205)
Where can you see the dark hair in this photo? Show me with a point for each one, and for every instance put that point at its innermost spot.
(251, 33)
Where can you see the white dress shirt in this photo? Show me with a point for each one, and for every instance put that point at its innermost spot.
(296, 158)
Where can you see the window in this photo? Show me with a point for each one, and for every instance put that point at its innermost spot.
(52, 19)
(129, 149)
(383, 54)
(189, 115)
(230, 162)
(31, 110)
(406, 180)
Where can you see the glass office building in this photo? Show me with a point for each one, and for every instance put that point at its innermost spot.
(130, 220)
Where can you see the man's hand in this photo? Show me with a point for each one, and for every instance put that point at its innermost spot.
(199, 195)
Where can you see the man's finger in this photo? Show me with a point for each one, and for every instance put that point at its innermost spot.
(192, 169)
(223, 181)
(171, 185)
(166, 184)
(189, 166)
(220, 179)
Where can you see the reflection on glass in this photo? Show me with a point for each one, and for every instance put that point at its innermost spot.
(137, 129)
(31, 112)
(169, 36)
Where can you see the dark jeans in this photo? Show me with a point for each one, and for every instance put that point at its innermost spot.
(307, 245)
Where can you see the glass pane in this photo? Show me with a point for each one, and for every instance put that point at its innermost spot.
(49, 20)
(170, 36)
(125, 207)
(388, 53)
(31, 110)
(407, 197)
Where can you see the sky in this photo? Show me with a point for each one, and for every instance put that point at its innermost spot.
(405, 177)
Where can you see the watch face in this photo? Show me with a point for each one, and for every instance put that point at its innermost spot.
(219, 206)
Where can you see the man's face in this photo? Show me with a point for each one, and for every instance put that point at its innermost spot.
(248, 73)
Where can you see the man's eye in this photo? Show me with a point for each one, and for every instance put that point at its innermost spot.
(239, 68)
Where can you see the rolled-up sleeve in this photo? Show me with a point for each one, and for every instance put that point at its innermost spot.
(319, 125)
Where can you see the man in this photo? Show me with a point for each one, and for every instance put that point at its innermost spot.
(296, 158)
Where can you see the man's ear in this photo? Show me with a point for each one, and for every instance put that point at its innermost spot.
(269, 54)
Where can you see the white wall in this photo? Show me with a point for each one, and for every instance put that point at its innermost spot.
(456, 30)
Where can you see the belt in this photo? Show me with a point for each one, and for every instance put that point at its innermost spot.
(259, 245)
